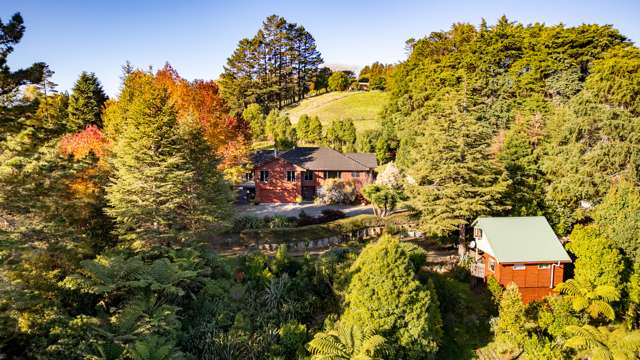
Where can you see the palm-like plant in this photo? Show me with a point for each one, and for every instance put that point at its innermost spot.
(346, 342)
(603, 343)
(595, 300)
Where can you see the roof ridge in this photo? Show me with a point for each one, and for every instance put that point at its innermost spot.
(356, 160)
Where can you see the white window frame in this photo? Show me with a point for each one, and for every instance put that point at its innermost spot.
(544, 266)
(264, 175)
(492, 266)
(290, 175)
(519, 267)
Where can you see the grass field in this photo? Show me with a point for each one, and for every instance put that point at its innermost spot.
(363, 107)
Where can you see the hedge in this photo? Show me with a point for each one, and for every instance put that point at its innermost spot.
(320, 231)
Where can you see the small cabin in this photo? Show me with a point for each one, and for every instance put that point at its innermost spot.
(522, 250)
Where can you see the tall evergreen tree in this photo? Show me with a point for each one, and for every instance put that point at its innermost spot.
(86, 102)
(454, 180)
(164, 187)
(274, 68)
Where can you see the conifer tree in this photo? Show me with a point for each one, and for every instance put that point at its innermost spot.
(164, 188)
(314, 134)
(86, 102)
(385, 297)
(454, 180)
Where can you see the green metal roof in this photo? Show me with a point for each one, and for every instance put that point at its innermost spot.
(522, 239)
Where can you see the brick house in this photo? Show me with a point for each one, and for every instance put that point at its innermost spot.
(522, 250)
(301, 171)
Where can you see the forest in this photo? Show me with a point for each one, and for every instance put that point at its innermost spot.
(108, 205)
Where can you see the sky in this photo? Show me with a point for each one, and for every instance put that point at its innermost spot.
(196, 37)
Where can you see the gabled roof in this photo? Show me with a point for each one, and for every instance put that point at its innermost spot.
(320, 158)
(262, 156)
(366, 159)
(521, 239)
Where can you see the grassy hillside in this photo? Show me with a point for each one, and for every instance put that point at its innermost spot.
(363, 107)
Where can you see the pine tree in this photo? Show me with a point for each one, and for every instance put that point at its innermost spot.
(86, 102)
(163, 188)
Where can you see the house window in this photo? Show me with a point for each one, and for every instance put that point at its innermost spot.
(519, 266)
(477, 233)
(331, 174)
(264, 175)
(291, 175)
(355, 174)
(308, 175)
(544, 266)
(492, 265)
(248, 176)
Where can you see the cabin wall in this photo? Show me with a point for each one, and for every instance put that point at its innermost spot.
(533, 282)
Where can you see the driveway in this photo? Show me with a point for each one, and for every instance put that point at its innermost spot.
(292, 210)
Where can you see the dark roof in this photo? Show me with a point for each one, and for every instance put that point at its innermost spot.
(366, 159)
(262, 156)
(320, 158)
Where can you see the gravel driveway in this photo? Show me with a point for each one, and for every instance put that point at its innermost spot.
(314, 210)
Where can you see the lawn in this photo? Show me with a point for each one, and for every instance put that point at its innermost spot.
(364, 107)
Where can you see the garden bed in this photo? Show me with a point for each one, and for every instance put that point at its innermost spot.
(336, 229)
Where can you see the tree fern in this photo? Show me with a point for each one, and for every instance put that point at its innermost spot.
(346, 342)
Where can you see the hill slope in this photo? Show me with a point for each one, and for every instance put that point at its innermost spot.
(364, 107)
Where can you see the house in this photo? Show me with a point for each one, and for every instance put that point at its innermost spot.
(301, 171)
(522, 250)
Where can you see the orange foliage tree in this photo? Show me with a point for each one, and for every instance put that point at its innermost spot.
(226, 134)
(80, 144)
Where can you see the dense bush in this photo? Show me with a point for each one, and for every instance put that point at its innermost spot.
(336, 191)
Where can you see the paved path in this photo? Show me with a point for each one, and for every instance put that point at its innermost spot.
(314, 210)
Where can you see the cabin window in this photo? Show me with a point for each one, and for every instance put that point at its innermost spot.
(331, 174)
(544, 266)
(291, 175)
(308, 175)
(248, 176)
(264, 175)
(477, 233)
(492, 265)
(519, 266)
(355, 174)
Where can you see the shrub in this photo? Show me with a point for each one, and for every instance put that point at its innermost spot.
(336, 191)
(279, 221)
(330, 215)
(247, 222)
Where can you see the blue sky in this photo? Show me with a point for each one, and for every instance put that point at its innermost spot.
(197, 36)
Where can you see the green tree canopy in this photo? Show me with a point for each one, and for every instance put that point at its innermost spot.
(86, 102)
(385, 297)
